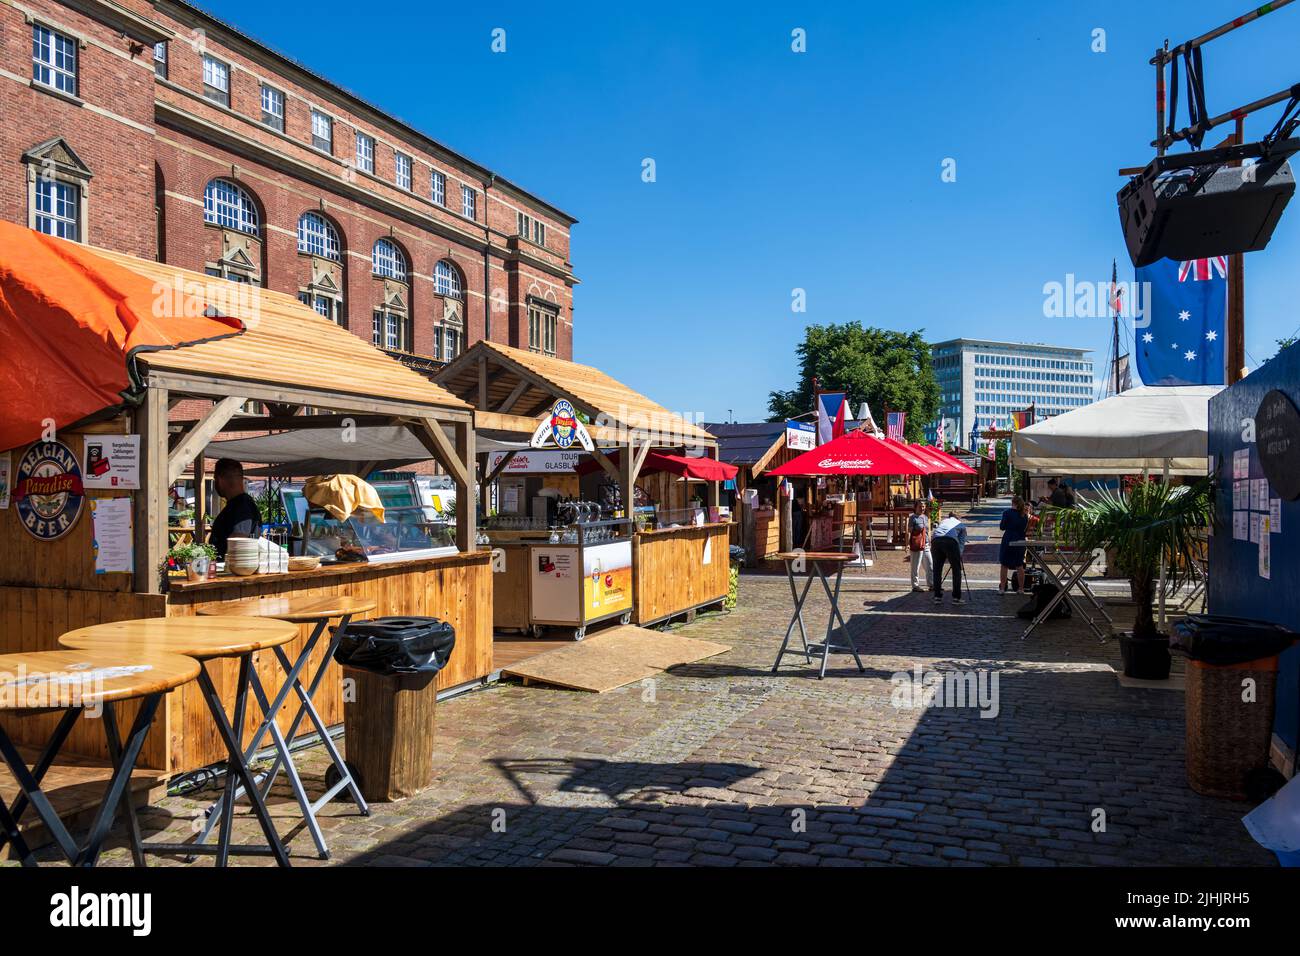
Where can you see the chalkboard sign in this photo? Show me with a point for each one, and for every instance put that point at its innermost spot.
(1277, 439)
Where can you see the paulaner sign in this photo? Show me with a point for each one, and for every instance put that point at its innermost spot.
(48, 490)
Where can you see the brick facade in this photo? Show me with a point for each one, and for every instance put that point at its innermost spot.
(143, 149)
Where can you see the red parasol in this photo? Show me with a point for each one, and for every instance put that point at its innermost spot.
(702, 469)
(959, 467)
(854, 453)
(938, 463)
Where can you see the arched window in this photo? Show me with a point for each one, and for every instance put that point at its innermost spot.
(317, 236)
(446, 279)
(229, 206)
(388, 261)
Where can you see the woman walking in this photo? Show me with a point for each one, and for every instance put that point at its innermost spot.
(918, 534)
(1011, 557)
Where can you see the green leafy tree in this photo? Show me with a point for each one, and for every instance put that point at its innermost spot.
(884, 368)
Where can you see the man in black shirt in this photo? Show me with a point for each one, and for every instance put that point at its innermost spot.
(240, 518)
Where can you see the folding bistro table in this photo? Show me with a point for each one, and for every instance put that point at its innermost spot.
(206, 639)
(1065, 568)
(317, 611)
(77, 682)
(810, 563)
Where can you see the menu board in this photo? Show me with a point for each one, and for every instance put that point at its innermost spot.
(1277, 441)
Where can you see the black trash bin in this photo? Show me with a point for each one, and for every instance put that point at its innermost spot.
(1231, 683)
(389, 705)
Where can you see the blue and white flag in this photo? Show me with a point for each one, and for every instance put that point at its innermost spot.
(1186, 309)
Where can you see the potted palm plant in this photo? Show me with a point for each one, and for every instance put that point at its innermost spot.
(1150, 524)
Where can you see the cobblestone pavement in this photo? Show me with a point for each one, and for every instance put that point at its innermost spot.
(723, 763)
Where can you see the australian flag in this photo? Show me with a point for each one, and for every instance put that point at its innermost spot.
(1187, 305)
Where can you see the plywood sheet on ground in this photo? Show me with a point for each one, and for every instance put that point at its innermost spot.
(613, 658)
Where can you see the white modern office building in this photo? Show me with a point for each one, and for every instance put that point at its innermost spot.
(982, 382)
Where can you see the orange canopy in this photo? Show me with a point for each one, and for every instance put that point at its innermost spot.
(70, 323)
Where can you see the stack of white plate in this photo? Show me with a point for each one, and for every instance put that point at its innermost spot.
(241, 556)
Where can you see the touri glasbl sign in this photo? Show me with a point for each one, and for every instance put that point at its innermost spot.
(48, 490)
(562, 427)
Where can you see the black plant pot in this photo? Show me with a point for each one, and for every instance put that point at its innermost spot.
(1145, 658)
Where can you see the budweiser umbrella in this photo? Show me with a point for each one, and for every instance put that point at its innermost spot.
(959, 467)
(853, 453)
(936, 461)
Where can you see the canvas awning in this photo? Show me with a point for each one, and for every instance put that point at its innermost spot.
(72, 323)
(322, 451)
(1147, 429)
(696, 469)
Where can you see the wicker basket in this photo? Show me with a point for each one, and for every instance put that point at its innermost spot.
(1226, 736)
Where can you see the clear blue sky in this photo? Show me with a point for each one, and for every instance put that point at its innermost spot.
(819, 170)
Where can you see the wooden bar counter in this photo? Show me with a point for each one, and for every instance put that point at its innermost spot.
(680, 569)
(456, 588)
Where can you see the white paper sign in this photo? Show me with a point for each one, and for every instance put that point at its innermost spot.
(1241, 464)
(1275, 515)
(1241, 525)
(1254, 527)
(1240, 495)
(111, 461)
(113, 546)
(6, 480)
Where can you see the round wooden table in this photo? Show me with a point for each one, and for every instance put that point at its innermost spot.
(317, 611)
(206, 639)
(810, 563)
(74, 682)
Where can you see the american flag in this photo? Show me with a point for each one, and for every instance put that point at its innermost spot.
(894, 424)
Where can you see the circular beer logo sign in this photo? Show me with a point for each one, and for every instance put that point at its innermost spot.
(48, 491)
(564, 424)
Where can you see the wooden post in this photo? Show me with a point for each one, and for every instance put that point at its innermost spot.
(627, 469)
(466, 490)
(150, 509)
(200, 499)
(1236, 325)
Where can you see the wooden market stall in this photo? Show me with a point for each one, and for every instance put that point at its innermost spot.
(308, 373)
(678, 564)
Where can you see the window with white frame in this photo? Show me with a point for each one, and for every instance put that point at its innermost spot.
(229, 206)
(446, 280)
(216, 80)
(322, 131)
(390, 330)
(531, 228)
(388, 261)
(58, 209)
(467, 201)
(543, 324)
(317, 236)
(451, 342)
(438, 187)
(54, 60)
(272, 107)
(160, 59)
(365, 153)
(328, 306)
(402, 167)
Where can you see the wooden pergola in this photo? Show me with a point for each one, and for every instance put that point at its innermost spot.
(308, 371)
(511, 388)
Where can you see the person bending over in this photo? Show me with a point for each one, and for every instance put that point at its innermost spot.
(946, 547)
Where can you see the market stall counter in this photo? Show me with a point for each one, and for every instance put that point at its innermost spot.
(85, 541)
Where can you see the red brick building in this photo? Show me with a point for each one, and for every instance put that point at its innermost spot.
(156, 129)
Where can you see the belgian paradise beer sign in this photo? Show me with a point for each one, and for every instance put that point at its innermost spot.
(48, 490)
